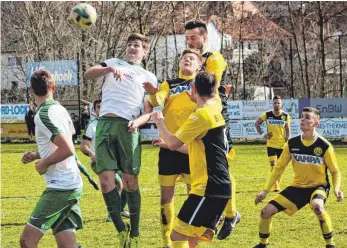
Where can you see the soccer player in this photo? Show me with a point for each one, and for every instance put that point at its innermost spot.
(29, 120)
(58, 207)
(311, 157)
(178, 106)
(197, 38)
(204, 133)
(117, 144)
(278, 132)
(87, 147)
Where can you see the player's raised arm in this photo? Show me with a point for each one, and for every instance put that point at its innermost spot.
(258, 122)
(159, 97)
(100, 71)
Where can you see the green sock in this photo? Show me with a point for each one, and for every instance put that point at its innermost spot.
(84, 171)
(123, 200)
(112, 201)
(134, 204)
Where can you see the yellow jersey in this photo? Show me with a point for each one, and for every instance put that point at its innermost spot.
(204, 133)
(276, 128)
(310, 159)
(177, 103)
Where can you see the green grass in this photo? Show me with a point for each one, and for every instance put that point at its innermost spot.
(22, 186)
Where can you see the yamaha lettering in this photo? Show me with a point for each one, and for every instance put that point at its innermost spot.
(308, 159)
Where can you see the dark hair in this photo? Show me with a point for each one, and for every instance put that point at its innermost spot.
(96, 102)
(194, 51)
(205, 84)
(196, 24)
(276, 98)
(316, 112)
(41, 81)
(141, 37)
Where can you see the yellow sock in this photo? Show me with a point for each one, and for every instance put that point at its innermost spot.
(167, 218)
(230, 209)
(180, 244)
(265, 226)
(326, 227)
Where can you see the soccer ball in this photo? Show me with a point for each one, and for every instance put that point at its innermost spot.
(83, 15)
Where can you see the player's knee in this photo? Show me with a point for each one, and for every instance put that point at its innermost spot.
(317, 208)
(107, 182)
(265, 213)
(130, 182)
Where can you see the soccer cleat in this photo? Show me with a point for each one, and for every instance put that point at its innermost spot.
(124, 237)
(260, 246)
(330, 246)
(109, 219)
(167, 246)
(125, 214)
(228, 226)
(95, 184)
(134, 242)
(79, 246)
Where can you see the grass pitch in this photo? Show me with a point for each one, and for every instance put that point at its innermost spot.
(22, 186)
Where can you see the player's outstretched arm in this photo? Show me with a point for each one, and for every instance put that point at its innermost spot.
(331, 162)
(100, 71)
(173, 143)
(63, 151)
(161, 143)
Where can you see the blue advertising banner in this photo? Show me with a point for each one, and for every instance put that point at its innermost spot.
(13, 112)
(64, 71)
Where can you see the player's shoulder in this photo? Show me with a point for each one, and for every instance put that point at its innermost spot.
(92, 123)
(284, 113)
(214, 55)
(323, 141)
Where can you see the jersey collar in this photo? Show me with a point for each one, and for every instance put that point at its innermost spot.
(48, 102)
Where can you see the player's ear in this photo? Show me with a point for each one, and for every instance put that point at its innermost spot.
(53, 88)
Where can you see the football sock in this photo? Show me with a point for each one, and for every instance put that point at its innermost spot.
(265, 226)
(112, 200)
(123, 200)
(180, 244)
(230, 209)
(84, 171)
(326, 227)
(134, 205)
(167, 215)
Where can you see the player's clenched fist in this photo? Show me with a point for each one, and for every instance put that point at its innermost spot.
(260, 197)
(29, 157)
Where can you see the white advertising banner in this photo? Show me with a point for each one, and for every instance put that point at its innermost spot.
(291, 106)
(328, 128)
(253, 109)
(235, 110)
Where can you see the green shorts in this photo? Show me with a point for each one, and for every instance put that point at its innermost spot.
(116, 148)
(58, 209)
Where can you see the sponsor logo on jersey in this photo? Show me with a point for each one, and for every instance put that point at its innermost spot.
(276, 122)
(179, 89)
(318, 151)
(308, 159)
(283, 117)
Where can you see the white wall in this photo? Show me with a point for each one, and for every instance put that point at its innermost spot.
(11, 73)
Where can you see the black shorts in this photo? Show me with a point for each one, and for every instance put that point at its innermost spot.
(294, 198)
(173, 162)
(202, 211)
(274, 152)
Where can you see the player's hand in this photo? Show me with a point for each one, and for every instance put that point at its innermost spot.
(339, 195)
(149, 88)
(260, 197)
(132, 127)
(119, 185)
(28, 157)
(41, 167)
(92, 156)
(159, 142)
(157, 116)
(267, 136)
(116, 73)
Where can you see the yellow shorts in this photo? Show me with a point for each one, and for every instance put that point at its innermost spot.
(171, 180)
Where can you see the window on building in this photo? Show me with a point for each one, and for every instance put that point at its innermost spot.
(14, 61)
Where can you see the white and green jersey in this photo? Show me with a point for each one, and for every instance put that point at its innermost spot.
(125, 97)
(90, 134)
(51, 120)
